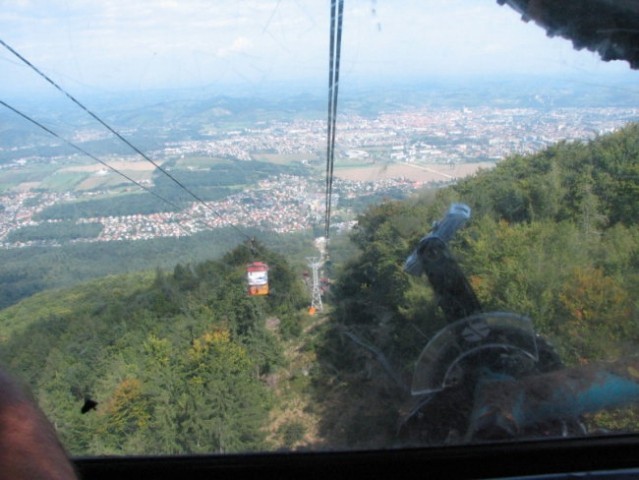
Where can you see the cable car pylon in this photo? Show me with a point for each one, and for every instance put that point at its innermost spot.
(316, 294)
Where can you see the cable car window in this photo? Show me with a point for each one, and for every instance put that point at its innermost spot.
(235, 227)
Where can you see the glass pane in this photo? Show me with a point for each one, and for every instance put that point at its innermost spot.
(191, 264)
(505, 333)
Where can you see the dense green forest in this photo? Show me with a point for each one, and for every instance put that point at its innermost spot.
(60, 231)
(182, 360)
(29, 270)
(553, 236)
(175, 360)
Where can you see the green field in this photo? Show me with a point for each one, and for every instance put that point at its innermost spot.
(200, 161)
(63, 181)
(112, 180)
(10, 179)
(282, 159)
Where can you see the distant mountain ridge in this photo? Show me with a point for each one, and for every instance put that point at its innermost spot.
(157, 113)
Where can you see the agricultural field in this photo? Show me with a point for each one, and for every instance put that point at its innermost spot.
(122, 165)
(62, 181)
(283, 159)
(195, 162)
(71, 176)
(24, 178)
(420, 173)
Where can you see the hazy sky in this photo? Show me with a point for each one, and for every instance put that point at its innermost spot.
(108, 45)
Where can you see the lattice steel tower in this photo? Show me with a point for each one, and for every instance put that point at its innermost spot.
(316, 294)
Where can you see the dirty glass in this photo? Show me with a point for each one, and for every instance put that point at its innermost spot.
(189, 264)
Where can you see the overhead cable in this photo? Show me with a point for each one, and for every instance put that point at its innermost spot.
(83, 151)
(118, 135)
(337, 13)
(102, 122)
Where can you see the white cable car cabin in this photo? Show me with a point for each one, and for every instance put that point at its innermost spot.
(257, 276)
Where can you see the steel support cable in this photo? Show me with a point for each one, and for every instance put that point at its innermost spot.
(118, 135)
(337, 13)
(83, 151)
(338, 46)
(329, 122)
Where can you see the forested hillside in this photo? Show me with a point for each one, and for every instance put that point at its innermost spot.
(184, 361)
(553, 236)
(176, 361)
(29, 270)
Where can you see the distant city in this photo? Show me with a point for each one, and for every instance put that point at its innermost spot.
(397, 151)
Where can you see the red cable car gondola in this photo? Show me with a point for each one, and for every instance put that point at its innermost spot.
(257, 276)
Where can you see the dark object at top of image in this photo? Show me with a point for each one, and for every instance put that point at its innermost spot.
(608, 27)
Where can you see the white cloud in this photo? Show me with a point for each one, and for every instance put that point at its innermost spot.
(239, 45)
(110, 43)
